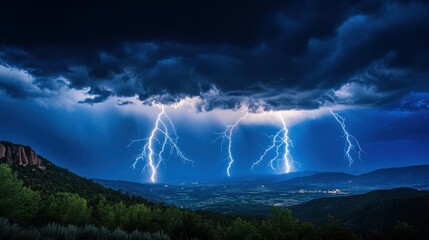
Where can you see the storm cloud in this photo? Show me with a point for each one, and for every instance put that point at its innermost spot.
(271, 55)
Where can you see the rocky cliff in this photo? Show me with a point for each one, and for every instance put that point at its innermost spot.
(19, 155)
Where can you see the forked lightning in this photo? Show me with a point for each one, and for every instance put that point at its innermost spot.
(351, 142)
(165, 129)
(280, 147)
(227, 136)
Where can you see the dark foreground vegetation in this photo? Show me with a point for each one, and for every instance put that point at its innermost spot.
(42, 214)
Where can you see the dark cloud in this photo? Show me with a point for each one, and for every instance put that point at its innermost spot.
(123, 103)
(275, 55)
(97, 95)
(17, 83)
(103, 23)
(414, 102)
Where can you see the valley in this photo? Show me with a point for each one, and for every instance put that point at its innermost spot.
(256, 196)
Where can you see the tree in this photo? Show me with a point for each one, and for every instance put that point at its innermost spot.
(193, 227)
(67, 208)
(334, 230)
(404, 230)
(139, 217)
(169, 219)
(120, 213)
(282, 221)
(16, 201)
(98, 204)
(241, 229)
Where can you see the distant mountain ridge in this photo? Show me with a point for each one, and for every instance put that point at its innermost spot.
(327, 177)
(412, 176)
(406, 175)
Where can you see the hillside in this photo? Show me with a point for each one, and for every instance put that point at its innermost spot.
(321, 179)
(413, 176)
(396, 176)
(42, 175)
(379, 209)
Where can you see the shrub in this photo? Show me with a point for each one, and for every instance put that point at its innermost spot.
(56, 231)
(7, 230)
(16, 201)
(67, 208)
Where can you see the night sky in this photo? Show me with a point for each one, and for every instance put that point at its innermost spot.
(79, 80)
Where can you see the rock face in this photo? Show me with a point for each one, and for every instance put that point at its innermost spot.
(19, 155)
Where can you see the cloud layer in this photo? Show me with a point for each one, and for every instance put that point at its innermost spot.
(275, 55)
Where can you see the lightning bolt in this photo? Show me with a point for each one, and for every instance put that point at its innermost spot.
(351, 141)
(227, 136)
(165, 129)
(280, 146)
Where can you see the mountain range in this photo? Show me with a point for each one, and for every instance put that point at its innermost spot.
(411, 176)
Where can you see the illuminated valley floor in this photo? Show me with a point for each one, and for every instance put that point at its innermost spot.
(256, 200)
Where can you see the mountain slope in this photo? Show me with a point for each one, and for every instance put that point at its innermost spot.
(48, 178)
(321, 179)
(380, 209)
(413, 176)
(396, 176)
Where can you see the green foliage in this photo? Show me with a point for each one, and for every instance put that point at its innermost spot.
(55, 231)
(404, 231)
(55, 179)
(386, 208)
(139, 217)
(120, 215)
(16, 201)
(193, 226)
(240, 229)
(168, 219)
(117, 219)
(375, 235)
(67, 208)
(282, 225)
(282, 219)
(112, 216)
(334, 230)
(98, 208)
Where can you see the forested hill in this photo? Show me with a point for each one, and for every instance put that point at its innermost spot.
(380, 209)
(48, 178)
